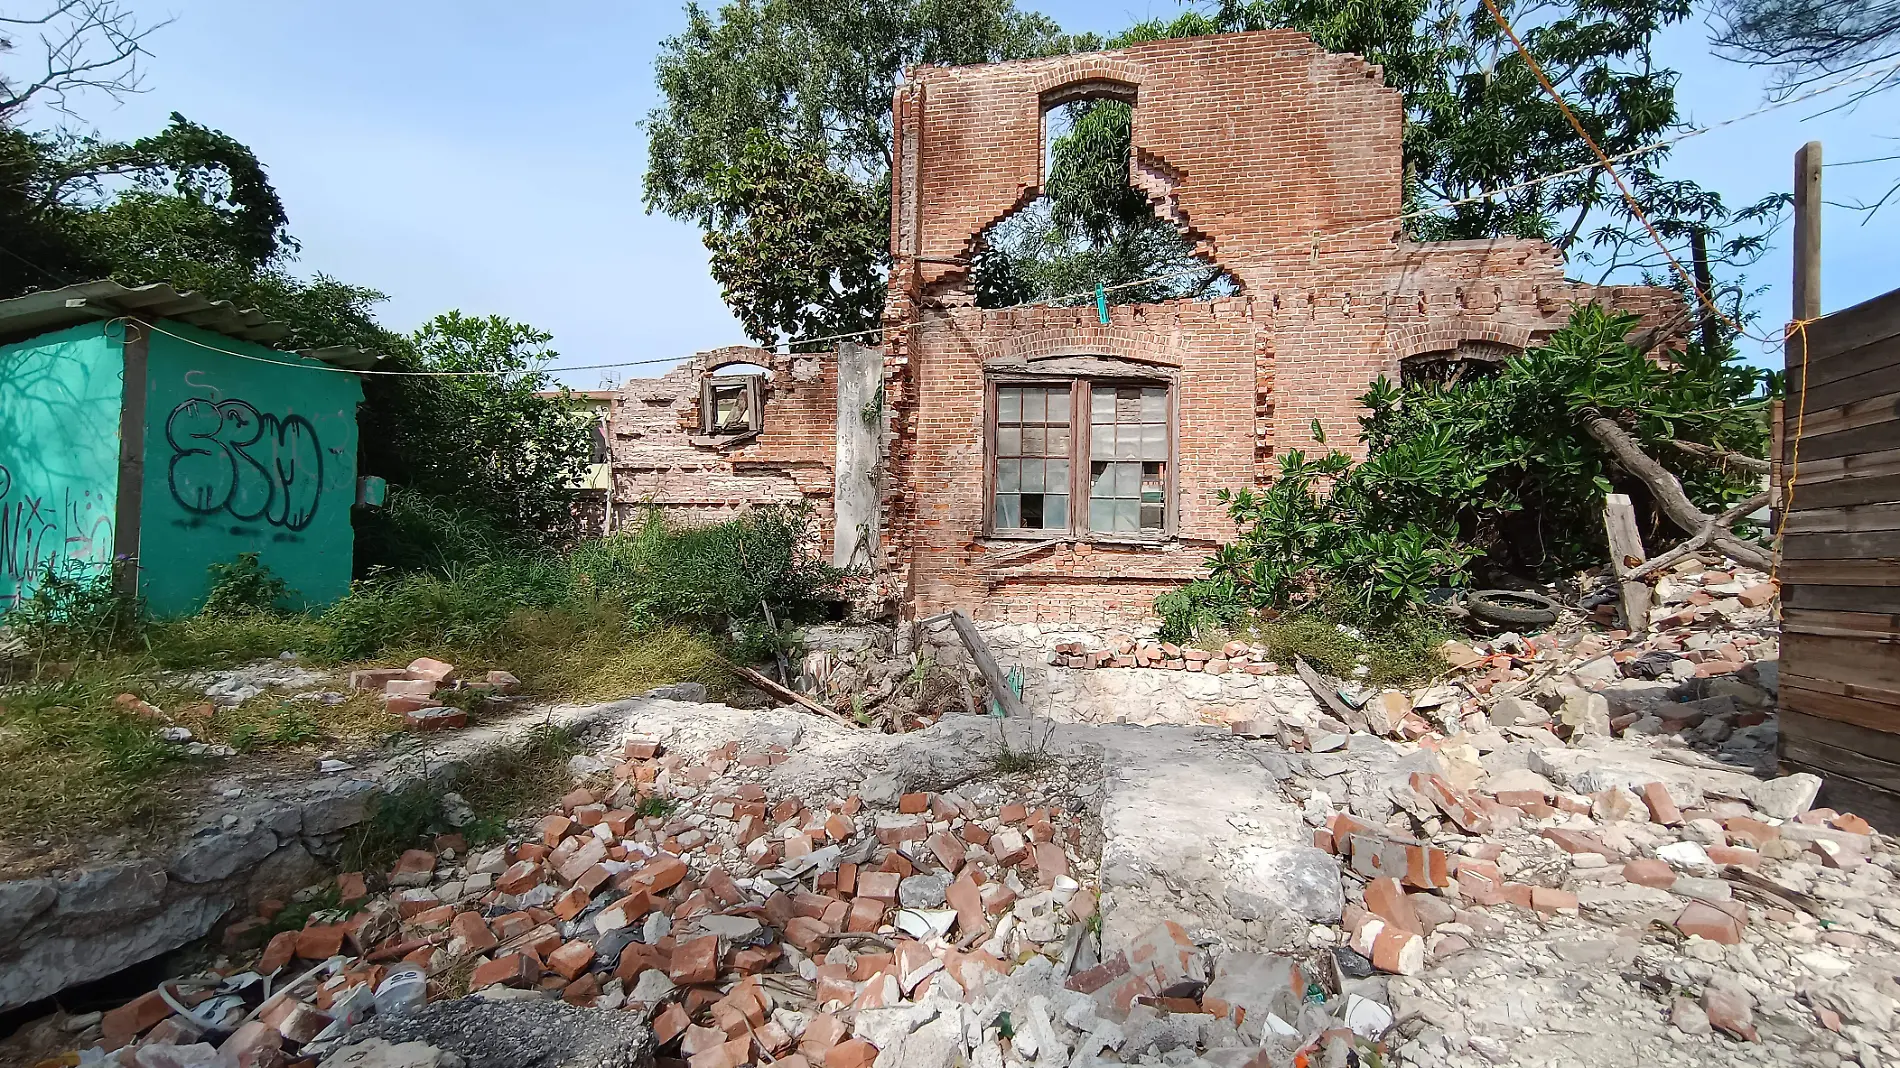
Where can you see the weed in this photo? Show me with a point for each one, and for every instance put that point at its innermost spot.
(1402, 652)
(77, 609)
(1008, 760)
(75, 757)
(653, 806)
(293, 916)
(243, 586)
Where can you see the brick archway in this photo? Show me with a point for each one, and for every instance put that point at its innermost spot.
(1444, 334)
(1117, 342)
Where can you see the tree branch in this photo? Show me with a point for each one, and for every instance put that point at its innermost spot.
(1670, 498)
(1722, 456)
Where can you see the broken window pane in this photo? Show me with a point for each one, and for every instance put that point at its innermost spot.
(1128, 439)
(1032, 458)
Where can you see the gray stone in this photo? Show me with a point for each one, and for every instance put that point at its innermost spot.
(679, 691)
(283, 873)
(1300, 881)
(1637, 695)
(923, 891)
(116, 890)
(652, 986)
(378, 1053)
(1511, 711)
(50, 963)
(1258, 982)
(1585, 712)
(345, 804)
(21, 902)
(1786, 797)
(216, 852)
(536, 1033)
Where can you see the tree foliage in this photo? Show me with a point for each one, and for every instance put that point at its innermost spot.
(1493, 468)
(1091, 227)
(775, 128)
(486, 447)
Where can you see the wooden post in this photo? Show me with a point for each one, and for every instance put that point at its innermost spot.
(1626, 554)
(1807, 231)
(1000, 692)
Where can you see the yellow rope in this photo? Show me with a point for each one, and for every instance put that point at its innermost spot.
(1798, 327)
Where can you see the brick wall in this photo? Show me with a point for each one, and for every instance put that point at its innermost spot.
(660, 460)
(1282, 163)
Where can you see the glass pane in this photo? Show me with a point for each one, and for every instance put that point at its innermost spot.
(1127, 515)
(1101, 513)
(1102, 405)
(1055, 511)
(1009, 404)
(1056, 411)
(1102, 440)
(1128, 442)
(1008, 511)
(1128, 480)
(1101, 480)
(1154, 405)
(1033, 441)
(1154, 441)
(1056, 476)
(1151, 516)
(1032, 476)
(1058, 441)
(1008, 476)
(1032, 510)
(1032, 405)
(1009, 441)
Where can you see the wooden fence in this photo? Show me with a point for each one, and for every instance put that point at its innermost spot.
(1840, 559)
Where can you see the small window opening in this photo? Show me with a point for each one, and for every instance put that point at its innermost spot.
(732, 404)
(1091, 226)
(1448, 367)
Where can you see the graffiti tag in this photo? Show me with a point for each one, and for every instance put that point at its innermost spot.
(228, 457)
(36, 534)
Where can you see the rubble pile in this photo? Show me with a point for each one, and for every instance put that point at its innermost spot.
(430, 695)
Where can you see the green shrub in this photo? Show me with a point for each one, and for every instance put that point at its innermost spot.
(244, 585)
(1496, 467)
(77, 608)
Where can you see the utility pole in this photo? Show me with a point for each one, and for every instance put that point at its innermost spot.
(1705, 288)
(1807, 231)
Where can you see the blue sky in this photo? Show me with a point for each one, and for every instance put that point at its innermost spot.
(487, 156)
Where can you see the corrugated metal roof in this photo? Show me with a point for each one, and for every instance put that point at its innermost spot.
(56, 309)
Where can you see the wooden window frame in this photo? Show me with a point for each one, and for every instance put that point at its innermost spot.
(1079, 460)
(755, 399)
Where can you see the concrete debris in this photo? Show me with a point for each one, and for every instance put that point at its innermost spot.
(1533, 878)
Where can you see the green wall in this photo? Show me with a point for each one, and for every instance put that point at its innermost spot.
(244, 456)
(59, 455)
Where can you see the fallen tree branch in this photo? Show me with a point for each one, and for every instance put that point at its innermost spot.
(1701, 537)
(1703, 529)
(784, 694)
(1721, 456)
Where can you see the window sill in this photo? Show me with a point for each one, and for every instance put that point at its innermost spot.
(721, 441)
(1122, 541)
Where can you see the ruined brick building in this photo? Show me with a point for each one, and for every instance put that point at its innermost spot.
(1034, 463)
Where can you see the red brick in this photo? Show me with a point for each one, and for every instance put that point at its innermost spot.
(515, 969)
(1710, 922)
(696, 961)
(1661, 809)
(1649, 872)
(572, 959)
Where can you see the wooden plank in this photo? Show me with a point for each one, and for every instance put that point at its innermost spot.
(1854, 517)
(1875, 745)
(792, 696)
(1842, 708)
(1806, 250)
(1849, 661)
(1872, 543)
(1626, 553)
(1864, 411)
(1840, 573)
(1865, 624)
(1867, 599)
(1840, 761)
(1882, 376)
(1860, 465)
(1844, 794)
(986, 663)
(1870, 322)
(1877, 437)
(1840, 492)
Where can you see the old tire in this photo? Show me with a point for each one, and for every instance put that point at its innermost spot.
(1512, 608)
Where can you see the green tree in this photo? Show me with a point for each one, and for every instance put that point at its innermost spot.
(484, 444)
(775, 133)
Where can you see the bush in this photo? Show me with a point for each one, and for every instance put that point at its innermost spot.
(1494, 467)
(76, 609)
(244, 585)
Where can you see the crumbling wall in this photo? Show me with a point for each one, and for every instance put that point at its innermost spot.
(662, 460)
(1282, 163)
